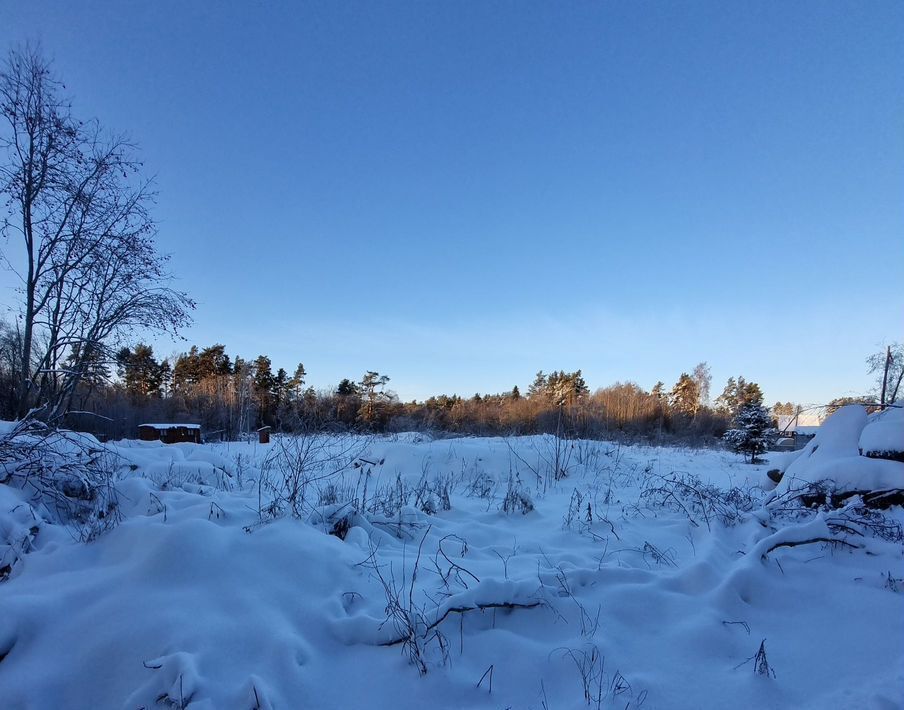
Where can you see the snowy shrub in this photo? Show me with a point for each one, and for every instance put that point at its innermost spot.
(335, 492)
(433, 495)
(19, 524)
(701, 503)
(66, 477)
(517, 499)
(298, 465)
(579, 512)
(481, 486)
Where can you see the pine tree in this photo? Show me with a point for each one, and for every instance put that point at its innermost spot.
(186, 372)
(280, 388)
(141, 374)
(213, 362)
(263, 382)
(538, 386)
(372, 386)
(736, 394)
(750, 434)
(296, 384)
(685, 395)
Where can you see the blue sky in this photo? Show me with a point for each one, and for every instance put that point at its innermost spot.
(460, 194)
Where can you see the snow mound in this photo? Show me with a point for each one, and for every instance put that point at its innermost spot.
(883, 436)
(833, 456)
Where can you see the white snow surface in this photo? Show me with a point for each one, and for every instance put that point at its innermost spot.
(193, 601)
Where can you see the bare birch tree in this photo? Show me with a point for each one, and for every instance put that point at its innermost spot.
(78, 208)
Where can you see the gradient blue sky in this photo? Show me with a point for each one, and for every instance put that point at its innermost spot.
(459, 194)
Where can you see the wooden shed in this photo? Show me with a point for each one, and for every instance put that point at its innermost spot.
(263, 435)
(170, 433)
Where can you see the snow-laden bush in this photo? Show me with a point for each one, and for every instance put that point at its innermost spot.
(68, 478)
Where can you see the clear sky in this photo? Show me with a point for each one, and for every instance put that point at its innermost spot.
(459, 194)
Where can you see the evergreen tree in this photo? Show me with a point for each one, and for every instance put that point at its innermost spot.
(750, 394)
(166, 379)
(213, 362)
(296, 383)
(786, 409)
(566, 387)
(263, 383)
(538, 386)
(280, 389)
(559, 387)
(736, 394)
(685, 395)
(186, 372)
(141, 374)
(658, 391)
(750, 434)
(372, 387)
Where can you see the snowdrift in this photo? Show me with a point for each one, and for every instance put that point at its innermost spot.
(645, 578)
(851, 453)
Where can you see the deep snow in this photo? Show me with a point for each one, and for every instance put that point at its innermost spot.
(193, 600)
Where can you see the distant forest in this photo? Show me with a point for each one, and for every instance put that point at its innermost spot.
(231, 397)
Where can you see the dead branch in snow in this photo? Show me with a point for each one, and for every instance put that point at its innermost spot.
(810, 541)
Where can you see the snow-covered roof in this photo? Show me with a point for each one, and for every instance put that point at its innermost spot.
(804, 422)
(172, 426)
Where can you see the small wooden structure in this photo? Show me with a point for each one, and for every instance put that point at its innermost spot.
(263, 435)
(170, 433)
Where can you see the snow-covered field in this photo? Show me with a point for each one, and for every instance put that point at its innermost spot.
(641, 578)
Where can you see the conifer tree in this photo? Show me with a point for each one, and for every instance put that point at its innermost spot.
(263, 382)
(141, 374)
(685, 395)
(296, 383)
(750, 433)
(538, 386)
(736, 394)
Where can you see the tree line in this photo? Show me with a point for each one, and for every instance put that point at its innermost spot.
(233, 396)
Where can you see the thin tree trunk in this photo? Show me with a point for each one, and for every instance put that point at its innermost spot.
(22, 404)
(885, 375)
